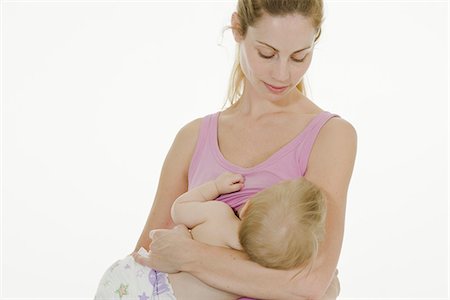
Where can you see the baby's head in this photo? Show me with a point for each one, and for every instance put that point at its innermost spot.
(282, 225)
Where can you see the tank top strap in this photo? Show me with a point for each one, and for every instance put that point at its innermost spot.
(207, 124)
(310, 135)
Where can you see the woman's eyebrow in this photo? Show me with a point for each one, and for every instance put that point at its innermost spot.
(278, 50)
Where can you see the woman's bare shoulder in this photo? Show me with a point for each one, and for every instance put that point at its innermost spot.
(188, 134)
(191, 128)
(333, 155)
(335, 127)
(338, 128)
(182, 150)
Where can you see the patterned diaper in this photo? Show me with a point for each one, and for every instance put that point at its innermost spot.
(126, 280)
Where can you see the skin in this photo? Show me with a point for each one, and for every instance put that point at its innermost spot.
(261, 123)
(206, 218)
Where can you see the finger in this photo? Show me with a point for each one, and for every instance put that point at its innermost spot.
(149, 261)
(155, 233)
(238, 178)
(180, 226)
(183, 229)
(242, 178)
(237, 186)
(140, 259)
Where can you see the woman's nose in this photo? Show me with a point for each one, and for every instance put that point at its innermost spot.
(281, 71)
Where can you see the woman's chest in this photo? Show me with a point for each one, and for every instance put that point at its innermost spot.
(248, 145)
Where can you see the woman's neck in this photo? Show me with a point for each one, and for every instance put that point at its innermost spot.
(254, 106)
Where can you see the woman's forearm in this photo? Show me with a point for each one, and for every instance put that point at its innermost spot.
(230, 270)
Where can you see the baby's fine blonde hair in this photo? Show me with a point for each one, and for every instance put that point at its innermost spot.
(282, 225)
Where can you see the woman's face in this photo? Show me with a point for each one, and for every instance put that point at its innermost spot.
(276, 52)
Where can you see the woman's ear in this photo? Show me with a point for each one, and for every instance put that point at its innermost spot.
(236, 27)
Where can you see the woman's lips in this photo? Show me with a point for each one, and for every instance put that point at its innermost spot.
(275, 88)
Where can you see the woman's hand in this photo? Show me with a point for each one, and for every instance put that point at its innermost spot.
(168, 250)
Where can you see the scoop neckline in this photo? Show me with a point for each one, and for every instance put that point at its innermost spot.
(285, 149)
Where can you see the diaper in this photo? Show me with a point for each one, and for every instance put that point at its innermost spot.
(126, 280)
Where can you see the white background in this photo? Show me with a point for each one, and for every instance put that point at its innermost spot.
(93, 94)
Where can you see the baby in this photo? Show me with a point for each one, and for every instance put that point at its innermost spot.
(279, 227)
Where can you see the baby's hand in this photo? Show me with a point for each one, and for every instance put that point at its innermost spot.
(229, 182)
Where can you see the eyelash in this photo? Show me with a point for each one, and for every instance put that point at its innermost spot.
(296, 60)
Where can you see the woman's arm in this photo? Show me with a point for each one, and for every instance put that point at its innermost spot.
(173, 181)
(330, 167)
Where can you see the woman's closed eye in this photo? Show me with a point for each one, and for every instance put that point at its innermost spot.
(269, 57)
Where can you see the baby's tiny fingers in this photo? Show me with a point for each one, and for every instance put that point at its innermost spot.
(238, 178)
(237, 186)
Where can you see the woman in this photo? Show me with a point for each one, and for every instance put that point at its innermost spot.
(270, 132)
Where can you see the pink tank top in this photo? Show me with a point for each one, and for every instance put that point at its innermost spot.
(289, 162)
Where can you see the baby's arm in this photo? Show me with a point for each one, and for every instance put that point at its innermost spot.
(194, 206)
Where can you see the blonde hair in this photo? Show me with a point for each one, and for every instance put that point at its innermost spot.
(283, 225)
(249, 12)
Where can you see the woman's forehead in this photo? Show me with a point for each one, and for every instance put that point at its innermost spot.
(291, 30)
